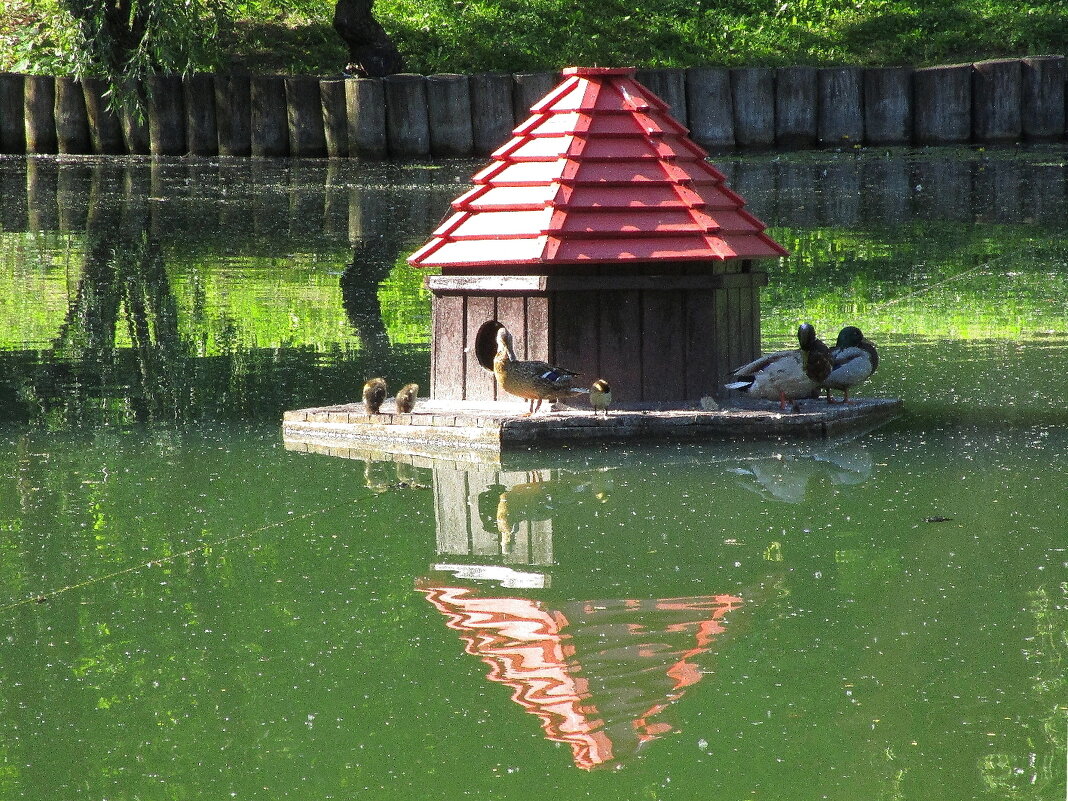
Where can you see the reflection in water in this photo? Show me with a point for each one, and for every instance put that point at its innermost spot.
(599, 673)
(786, 476)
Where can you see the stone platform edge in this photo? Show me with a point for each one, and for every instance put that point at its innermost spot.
(441, 428)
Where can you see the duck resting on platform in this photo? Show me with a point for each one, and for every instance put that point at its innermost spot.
(406, 398)
(533, 380)
(374, 393)
(786, 374)
(600, 396)
(854, 359)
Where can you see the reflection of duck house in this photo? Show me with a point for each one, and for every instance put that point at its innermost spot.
(495, 524)
(598, 674)
(603, 240)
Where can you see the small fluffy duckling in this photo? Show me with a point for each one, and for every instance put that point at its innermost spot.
(600, 396)
(374, 394)
(406, 398)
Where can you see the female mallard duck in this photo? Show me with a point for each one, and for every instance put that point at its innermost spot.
(786, 374)
(535, 381)
(374, 393)
(406, 398)
(854, 360)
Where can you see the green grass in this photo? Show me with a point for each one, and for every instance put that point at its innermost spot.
(294, 36)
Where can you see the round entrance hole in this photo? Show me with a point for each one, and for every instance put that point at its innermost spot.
(486, 343)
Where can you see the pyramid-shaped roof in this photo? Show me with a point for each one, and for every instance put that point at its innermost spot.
(600, 172)
(597, 673)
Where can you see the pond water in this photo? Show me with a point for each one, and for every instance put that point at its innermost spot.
(189, 610)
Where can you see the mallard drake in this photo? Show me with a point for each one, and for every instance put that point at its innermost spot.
(600, 396)
(535, 381)
(854, 359)
(786, 374)
(374, 393)
(406, 398)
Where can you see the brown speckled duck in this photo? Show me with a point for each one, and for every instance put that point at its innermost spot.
(533, 380)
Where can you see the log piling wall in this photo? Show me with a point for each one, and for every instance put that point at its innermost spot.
(410, 116)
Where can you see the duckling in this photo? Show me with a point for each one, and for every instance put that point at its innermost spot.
(374, 393)
(786, 374)
(533, 380)
(406, 398)
(600, 396)
(854, 360)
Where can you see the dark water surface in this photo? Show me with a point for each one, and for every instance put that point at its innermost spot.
(188, 610)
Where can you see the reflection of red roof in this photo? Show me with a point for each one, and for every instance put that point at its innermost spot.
(600, 172)
(597, 673)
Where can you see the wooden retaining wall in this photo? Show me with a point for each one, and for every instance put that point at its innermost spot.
(415, 117)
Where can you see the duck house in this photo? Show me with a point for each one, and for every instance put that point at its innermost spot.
(603, 240)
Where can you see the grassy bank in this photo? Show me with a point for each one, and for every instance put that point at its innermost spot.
(294, 36)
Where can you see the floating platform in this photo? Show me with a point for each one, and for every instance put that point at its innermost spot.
(481, 431)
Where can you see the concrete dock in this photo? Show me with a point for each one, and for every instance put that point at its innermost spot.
(481, 431)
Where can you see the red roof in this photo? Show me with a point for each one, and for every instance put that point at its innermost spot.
(600, 172)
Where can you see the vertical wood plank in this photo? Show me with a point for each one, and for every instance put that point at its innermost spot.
(105, 127)
(723, 357)
(491, 111)
(133, 116)
(201, 125)
(448, 99)
(663, 365)
(479, 383)
(530, 87)
(407, 125)
(233, 114)
(700, 344)
(711, 112)
(753, 96)
(12, 113)
(796, 90)
(72, 119)
(365, 102)
(447, 370)
(39, 109)
(166, 115)
(575, 333)
(620, 338)
(335, 118)
(270, 125)
(304, 117)
(511, 313)
(536, 314)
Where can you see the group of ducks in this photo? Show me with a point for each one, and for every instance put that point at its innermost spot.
(375, 392)
(791, 375)
(787, 375)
